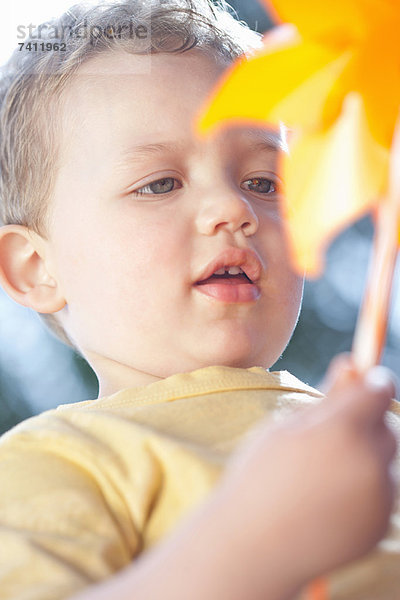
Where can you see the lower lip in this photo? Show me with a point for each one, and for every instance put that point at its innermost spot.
(230, 291)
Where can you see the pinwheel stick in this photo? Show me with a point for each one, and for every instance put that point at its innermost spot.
(370, 334)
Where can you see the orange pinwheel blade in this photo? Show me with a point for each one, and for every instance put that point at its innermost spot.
(378, 80)
(289, 85)
(328, 20)
(317, 207)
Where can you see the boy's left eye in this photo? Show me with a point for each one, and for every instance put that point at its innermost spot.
(160, 186)
(261, 185)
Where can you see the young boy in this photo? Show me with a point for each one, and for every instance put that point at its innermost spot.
(163, 260)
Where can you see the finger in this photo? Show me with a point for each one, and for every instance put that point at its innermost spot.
(381, 381)
(341, 370)
(370, 395)
(360, 398)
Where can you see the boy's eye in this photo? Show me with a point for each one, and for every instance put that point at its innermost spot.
(261, 185)
(160, 186)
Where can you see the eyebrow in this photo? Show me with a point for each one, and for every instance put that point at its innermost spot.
(264, 145)
(268, 140)
(265, 140)
(148, 150)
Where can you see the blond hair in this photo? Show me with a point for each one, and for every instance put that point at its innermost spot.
(31, 83)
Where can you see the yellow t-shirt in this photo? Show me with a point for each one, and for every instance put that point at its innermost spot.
(87, 487)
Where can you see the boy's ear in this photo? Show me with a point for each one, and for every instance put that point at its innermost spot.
(23, 270)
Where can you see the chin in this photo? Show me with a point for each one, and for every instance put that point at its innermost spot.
(244, 358)
(237, 346)
(247, 362)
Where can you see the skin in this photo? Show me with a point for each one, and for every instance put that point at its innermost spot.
(123, 266)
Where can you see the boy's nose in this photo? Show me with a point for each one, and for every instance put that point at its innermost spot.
(227, 208)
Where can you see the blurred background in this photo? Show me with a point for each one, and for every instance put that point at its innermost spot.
(37, 372)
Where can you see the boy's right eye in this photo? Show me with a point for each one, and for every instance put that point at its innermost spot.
(160, 186)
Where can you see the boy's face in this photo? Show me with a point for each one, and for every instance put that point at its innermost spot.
(128, 263)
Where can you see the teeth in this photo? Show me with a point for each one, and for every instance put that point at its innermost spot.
(230, 270)
(234, 270)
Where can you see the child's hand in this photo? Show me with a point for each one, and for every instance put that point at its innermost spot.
(320, 484)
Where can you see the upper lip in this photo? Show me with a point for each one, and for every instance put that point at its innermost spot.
(234, 257)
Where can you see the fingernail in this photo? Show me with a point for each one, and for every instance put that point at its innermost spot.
(380, 377)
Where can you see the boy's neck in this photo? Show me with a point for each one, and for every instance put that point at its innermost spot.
(114, 376)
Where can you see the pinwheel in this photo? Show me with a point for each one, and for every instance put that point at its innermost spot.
(331, 73)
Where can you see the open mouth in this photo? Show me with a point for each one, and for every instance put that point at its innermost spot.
(229, 279)
(229, 285)
(231, 276)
